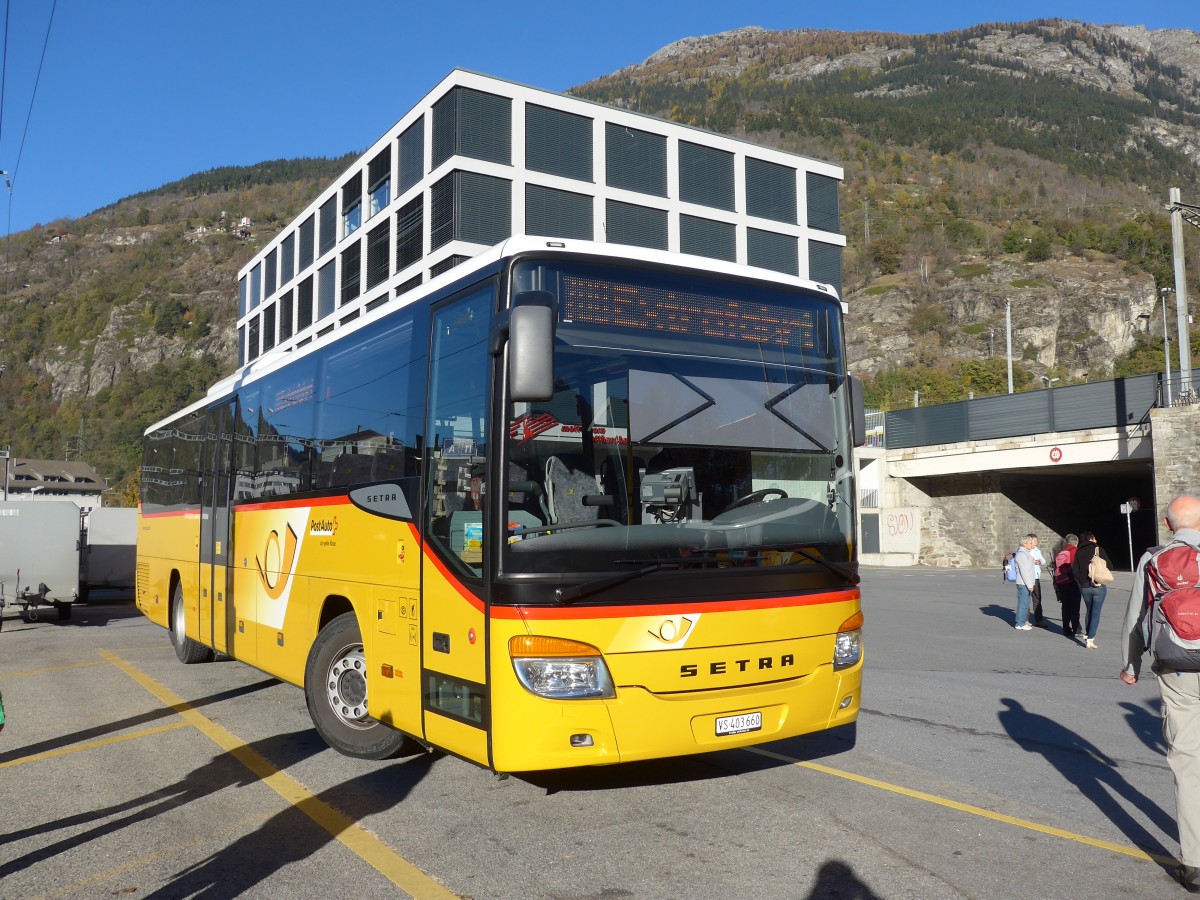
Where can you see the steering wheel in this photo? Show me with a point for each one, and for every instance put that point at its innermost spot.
(756, 497)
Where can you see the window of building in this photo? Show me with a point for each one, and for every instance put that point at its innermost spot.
(308, 230)
(352, 205)
(379, 181)
(409, 233)
(823, 203)
(557, 142)
(269, 272)
(378, 250)
(825, 264)
(252, 340)
(255, 286)
(636, 160)
(704, 237)
(328, 232)
(770, 190)
(268, 328)
(554, 213)
(705, 176)
(639, 226)
(412, 155)
(467, 122)
(468, 206)
(351, 272)
(285, 316)
(304, 304)
(325, 289)
(769, 250)
(287, 259)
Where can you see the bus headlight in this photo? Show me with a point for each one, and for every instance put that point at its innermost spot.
(847, 647)
(560, 669)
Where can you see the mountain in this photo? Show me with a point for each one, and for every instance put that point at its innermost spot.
(1021, 166)
(1024, 164)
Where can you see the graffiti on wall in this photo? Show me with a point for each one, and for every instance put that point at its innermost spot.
(900, 530)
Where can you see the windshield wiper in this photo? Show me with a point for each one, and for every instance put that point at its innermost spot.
(837, 568)
(567, 595)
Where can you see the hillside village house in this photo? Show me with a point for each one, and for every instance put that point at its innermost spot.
(53, 479)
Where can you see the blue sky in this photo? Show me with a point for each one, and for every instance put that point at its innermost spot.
(133, 94)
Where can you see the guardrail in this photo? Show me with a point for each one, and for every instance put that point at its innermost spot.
(1095, 404)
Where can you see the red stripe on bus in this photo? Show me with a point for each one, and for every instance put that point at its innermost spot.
(453, 581)
(550, 614)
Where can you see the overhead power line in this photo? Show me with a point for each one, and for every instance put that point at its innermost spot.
(33, 98)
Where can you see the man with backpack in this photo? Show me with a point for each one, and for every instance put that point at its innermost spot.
(1163, 617)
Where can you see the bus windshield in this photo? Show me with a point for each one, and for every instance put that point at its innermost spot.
(697, 422)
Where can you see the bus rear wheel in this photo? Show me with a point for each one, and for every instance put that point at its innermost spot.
(187, 650)
(335, 688)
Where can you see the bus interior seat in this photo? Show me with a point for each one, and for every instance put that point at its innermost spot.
(531, 500)
(388, 464)
(350, 468)
(566, 487)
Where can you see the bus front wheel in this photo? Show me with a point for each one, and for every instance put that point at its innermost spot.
(187, 650)
(335, 688)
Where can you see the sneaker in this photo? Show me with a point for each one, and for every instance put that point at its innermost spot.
(1091, 645)
(1025, 627)
(1189, 877)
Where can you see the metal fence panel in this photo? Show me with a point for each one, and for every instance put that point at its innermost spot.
(1008, 415)
(920, 427)
(1104, 404)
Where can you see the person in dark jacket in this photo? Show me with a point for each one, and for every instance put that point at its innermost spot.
(1066, 587)
(1092, 594)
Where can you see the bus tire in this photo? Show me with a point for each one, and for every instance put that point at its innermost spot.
(335, 688)
(187, 650)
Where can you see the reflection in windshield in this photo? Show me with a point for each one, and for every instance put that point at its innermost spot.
(699, 450)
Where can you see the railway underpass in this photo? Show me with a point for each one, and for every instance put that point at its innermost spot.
(958, 484)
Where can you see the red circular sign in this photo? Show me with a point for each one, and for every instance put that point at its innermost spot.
(1055, 454)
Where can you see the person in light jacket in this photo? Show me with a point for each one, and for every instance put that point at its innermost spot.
(1026, 576)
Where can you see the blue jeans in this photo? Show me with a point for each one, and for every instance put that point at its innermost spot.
(1023, 599)
(1093, 600)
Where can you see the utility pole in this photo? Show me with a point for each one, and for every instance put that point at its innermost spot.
(1181, 306)
(1166, 349)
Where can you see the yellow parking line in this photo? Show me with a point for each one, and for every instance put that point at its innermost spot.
(373, 851)
(1135, 852)
(92, 745)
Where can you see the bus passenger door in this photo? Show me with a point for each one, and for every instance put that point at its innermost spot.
(453, 621)
(216, 606)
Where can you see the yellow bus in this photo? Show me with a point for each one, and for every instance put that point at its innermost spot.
(563, 506)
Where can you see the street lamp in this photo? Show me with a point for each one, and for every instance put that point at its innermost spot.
(1046, 382)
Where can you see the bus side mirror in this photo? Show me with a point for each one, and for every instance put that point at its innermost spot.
(531, 353)
(858, 412)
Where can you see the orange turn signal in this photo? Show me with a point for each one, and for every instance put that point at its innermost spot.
(853, 623)
(537, 646)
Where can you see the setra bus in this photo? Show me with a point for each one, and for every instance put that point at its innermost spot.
(565, 506)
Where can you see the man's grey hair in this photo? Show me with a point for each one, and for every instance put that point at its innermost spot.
(1071, 539)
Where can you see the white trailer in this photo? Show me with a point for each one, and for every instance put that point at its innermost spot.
(40, 544)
